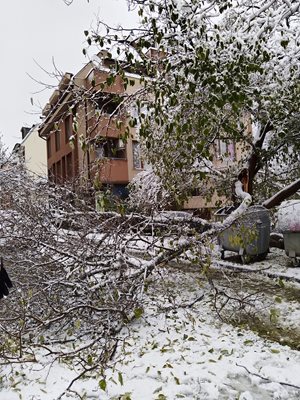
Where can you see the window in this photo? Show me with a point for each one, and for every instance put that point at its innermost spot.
(68, 128)
(50, 174)
(57, 140)
(99, 151)
(226, 149)
(110, 148)
(196, 192)
(58, 172)
(54, 173)
(107, 103)
(136, 152)
(69, 166)
(231, 150)
(63, 172)
(49, 147)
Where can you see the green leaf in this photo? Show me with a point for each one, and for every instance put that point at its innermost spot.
(90, 359)
(102, 384)
(275, 351)
(274, 315)
(157, 390)
(77, 324)
(110, 80)
(126, 396)
(120, 378)
(138, 312)
(225, 352)
(278, 299)
(176, 380)
(281, 283)
(161, 396)
(284, 43)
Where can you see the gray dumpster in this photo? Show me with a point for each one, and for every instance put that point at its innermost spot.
(249, 235)
(289, 225)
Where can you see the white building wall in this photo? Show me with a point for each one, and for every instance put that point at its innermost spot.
(35, 152)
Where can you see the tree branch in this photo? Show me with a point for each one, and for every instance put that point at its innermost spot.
(267, 379)
(282, 195)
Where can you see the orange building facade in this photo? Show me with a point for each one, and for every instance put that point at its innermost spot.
(87, 132)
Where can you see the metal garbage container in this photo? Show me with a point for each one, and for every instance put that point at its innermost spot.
(289, 225)
(249, 235)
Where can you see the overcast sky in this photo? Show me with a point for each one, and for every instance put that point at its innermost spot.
(35, 32)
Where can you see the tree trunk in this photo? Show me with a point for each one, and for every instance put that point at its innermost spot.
(247, 175)
(254, 161)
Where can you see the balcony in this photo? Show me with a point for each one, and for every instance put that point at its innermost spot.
(105, 126)
(113, 170)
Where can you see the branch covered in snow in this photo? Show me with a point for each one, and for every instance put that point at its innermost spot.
(283, 194)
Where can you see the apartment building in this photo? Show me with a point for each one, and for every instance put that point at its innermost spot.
(86, 129)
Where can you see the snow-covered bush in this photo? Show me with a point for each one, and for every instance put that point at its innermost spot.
(148, 193)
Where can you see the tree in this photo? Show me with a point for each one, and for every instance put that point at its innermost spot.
(217, 68)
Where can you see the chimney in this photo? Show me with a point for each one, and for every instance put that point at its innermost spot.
(24, 131)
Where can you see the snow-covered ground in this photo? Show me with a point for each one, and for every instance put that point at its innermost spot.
(187, 352)
(276, 264)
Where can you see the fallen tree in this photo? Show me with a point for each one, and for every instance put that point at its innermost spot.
(80, 276)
